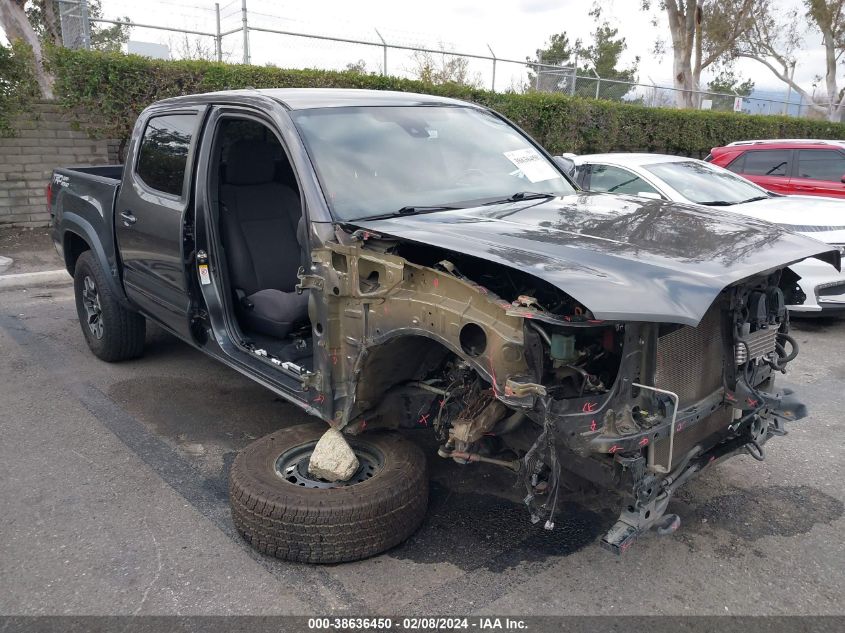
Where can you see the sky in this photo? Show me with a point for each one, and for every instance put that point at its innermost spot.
(513, 30)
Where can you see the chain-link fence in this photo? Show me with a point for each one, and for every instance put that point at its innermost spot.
(75, 23)
(236, 33)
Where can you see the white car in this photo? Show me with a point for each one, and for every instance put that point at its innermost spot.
(667, 177)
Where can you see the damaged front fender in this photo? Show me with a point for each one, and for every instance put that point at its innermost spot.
(378, 308)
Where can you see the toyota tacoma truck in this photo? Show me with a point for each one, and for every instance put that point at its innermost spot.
(391, 261)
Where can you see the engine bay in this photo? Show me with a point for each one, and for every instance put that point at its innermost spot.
(514, 372)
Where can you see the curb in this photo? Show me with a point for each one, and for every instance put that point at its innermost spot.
(41, 278)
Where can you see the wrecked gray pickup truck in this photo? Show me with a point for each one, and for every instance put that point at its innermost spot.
(389, 261)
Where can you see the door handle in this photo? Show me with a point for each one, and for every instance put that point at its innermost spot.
(128, 218)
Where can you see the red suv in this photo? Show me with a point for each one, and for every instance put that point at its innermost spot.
(793, 166)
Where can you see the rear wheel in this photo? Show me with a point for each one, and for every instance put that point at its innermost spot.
(285, 512)
(112, 331)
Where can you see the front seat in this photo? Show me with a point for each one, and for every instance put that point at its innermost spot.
(259, 221)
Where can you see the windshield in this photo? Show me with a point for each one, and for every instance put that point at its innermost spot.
(378, 160)
(706, 184)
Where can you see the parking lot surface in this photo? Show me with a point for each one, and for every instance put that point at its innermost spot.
(115, 483)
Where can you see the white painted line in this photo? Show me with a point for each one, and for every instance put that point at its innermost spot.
(44, 277)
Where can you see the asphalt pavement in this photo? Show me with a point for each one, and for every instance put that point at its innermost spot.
(113, 502)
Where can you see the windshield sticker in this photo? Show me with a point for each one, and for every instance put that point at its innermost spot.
(533, 166)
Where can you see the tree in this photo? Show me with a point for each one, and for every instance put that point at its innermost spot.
(37, 23)
(603, 55)
(14, 21)
(17, 83)
(558, 51)
(703, 32)
(44, 17)
(773, 41)
(727, 83)
(359, 67)
(443, 69)
(600, 58)
(196, 47)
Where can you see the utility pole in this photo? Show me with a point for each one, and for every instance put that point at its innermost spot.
(384, 51)
(653, 92)
(218, 40)
(789, 90)
(493, 83)
(245, 30)
(539, 70)
(85, 24)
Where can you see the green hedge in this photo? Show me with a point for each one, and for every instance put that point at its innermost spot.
(18, 87)
(116, 87)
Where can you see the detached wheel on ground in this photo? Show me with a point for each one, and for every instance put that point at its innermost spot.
(285, 512)
(113, 332)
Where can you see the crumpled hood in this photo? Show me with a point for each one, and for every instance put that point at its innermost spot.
(624, 258)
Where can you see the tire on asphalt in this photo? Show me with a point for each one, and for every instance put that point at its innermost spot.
(121, 333)
(328, 525)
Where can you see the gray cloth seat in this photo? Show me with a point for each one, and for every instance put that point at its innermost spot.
(261, 222)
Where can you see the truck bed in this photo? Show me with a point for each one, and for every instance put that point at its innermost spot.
(109, 172)
(85, 189)
(82, 203)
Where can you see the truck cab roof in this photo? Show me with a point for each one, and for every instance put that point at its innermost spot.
(308, 98)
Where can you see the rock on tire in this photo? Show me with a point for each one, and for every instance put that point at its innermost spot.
(294, 519)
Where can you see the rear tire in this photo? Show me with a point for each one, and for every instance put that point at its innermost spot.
(281, 513)
(112, 331)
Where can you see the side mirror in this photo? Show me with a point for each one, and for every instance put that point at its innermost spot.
(842, 179)
(566, 164)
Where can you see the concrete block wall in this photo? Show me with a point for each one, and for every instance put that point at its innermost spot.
(45, 138)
